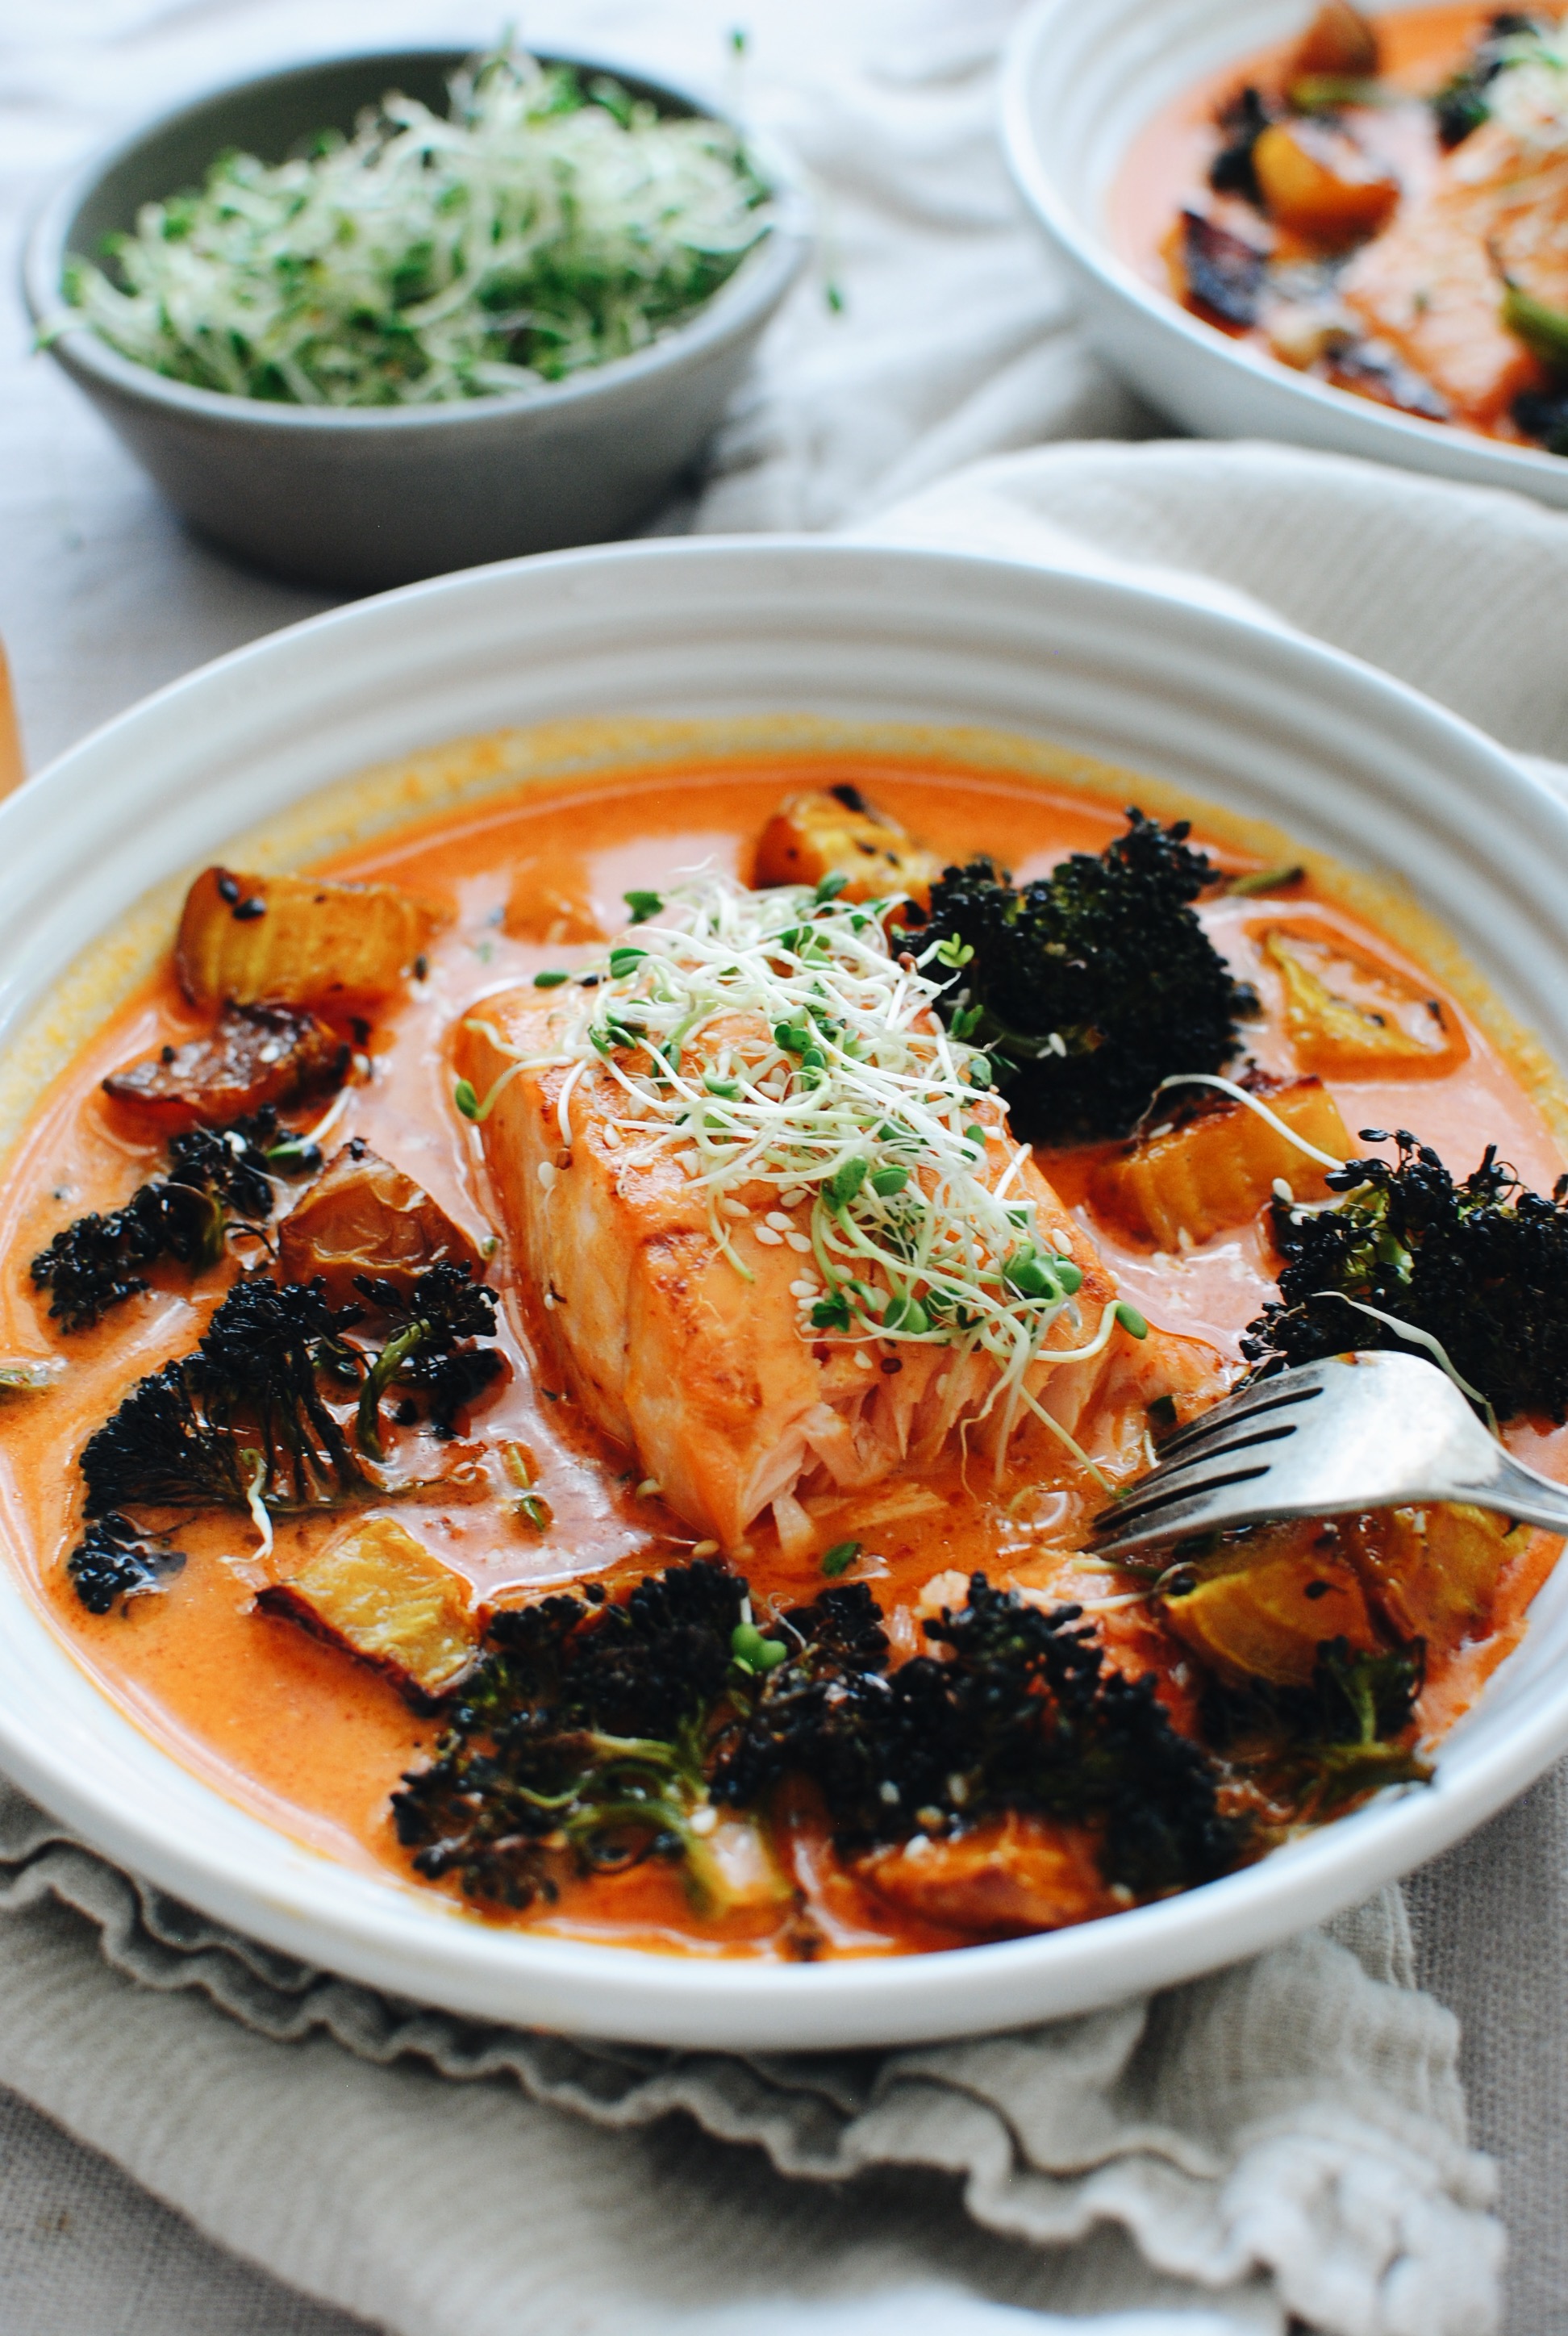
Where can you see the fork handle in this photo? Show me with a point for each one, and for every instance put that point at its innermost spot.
(1519, 1492)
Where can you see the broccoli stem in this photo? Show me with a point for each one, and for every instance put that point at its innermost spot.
(379, 1378)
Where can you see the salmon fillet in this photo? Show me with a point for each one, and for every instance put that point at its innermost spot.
(1431, 284)
(683, 1321)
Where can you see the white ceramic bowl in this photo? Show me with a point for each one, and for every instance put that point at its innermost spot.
(366, 496)
(1264, 722)
(1080, 82)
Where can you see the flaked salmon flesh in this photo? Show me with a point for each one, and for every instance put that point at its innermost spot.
(732, 1403)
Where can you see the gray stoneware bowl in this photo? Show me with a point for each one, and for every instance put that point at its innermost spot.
(376, 495)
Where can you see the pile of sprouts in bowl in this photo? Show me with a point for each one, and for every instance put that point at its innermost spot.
(550, 223)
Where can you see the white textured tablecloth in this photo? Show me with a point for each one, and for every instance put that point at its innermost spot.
(1307, 2153)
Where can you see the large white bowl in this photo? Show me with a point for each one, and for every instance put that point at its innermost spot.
(1264, 722)
(1080, 82)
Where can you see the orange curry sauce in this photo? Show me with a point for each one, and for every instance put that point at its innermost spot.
(1166, 171)
(301, 1736)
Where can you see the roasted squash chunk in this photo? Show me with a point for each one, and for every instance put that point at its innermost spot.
(1348, 1014)
(837, 833)
(363, 1215)
(1011, 1874)
(1339, 44)
(1316, 180)
(1262, 1606)
(255, 1055)
(1434, 1572)
(1220, 1168)
(298, 938)
(378, 1593)
(549, 901)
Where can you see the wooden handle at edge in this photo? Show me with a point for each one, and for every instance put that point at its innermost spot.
(12, 767)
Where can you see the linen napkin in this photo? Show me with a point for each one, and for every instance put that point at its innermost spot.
(1283, 2138)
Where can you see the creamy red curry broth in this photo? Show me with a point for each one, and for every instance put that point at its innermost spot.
(313, 1742)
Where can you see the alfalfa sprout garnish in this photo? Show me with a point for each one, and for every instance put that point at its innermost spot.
(547, 224)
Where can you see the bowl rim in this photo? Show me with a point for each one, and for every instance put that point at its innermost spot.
(384, 1933)
(1088, 249)
(761, 280)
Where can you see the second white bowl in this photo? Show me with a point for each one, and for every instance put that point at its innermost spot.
(1078, 86)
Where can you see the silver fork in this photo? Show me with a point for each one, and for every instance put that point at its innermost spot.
(1373, 1431)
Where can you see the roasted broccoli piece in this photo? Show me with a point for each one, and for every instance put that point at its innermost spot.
(1091, 984)
(1022, 1713)
(580, 1743)
(1480, 1266)
(1243, 121)
(115, 1562)
(1321, 1746)
(429, 1346)
(1462, 103)
(588, 1738)
(240, 1420)
(217, 1180)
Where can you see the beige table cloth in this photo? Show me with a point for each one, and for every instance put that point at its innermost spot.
(955, 343)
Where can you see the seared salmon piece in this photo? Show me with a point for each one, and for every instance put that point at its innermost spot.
(716, 1377)
(1432, 285)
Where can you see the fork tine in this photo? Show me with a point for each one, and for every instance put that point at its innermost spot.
(1269, 1395)
(1184, 1518)
(1196, 1472)
(1157, 1495)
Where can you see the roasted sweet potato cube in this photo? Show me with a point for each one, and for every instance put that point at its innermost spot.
(298, 938)
(363, 1215)
(1218, 1170)
(549, 901)
(1348, 1014)
(1260, 1609)
(378, 1593)
(1434, 1572)
(1316, 180)
(837, 833)
(1012, 1873)
(1339, 44)
(254, 1054)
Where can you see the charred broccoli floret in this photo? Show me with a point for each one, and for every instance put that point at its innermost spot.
(1464, 102)
(242, 1419)
(217, 1180)
(114, 1562)
(592, 1736)
(580, 1744)
(1243, 122)
(1021, 1714)
(1321, 1746)
(1480, 1266)
(428, 1346)
(1090, 985)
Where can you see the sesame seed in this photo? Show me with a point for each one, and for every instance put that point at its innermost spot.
(801, 1242)
(734, 1208)
(778, 1220)
(768, 1238)
(863, 1361)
